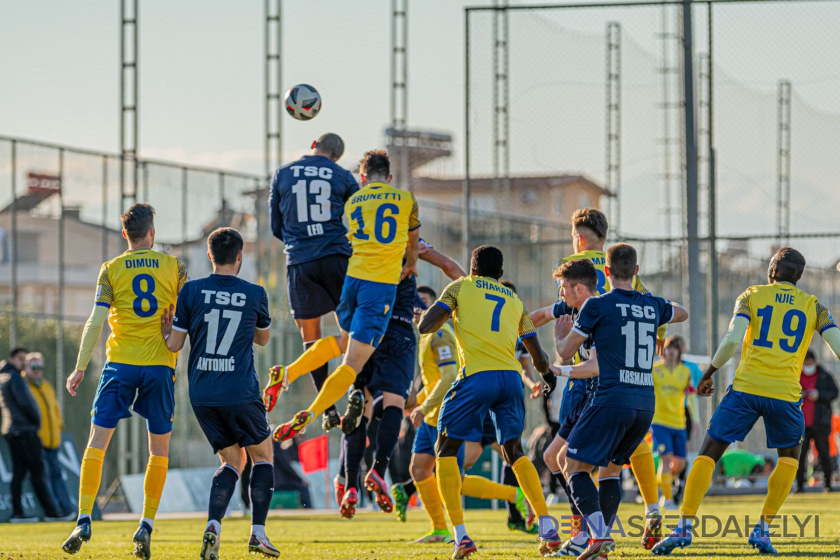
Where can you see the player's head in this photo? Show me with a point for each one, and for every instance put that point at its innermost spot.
(809, 365)
(375, 166)
(427, 294)
(17, 357)
(487, 261)
(622, 262)
(329, 145)
(589, 229)
(35, 366)
(138, 224)
(674, 347)
(224, 247)
(509, 284)
(578, 280)
(787, 265)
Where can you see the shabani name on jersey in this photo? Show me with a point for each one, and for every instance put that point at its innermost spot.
(221, 313)
(623, 326)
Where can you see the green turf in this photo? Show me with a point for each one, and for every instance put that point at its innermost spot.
(376, 536)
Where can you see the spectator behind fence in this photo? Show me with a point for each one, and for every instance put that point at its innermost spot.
(21, 422)
(52, 425)
(818, 390)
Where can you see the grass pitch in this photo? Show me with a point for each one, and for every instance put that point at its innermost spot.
(376, 536)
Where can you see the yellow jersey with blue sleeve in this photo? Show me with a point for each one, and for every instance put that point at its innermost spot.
(437, 350)
(489, 318)
(782, 319)
(380, 218)
(137, 286)
(599, 259)
(669, 386)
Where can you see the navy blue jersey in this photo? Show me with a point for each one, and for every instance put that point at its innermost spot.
(306, 206)
(622, 324)
(220, 313)
(404, 302)
(581, 389)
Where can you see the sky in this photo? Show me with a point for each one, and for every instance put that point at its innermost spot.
(201, 90)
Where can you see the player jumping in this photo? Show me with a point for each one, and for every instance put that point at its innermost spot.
(488, 320)
(306, 207)
(384, 229)
(131, 293)
(611, 428)
(224, 317)
(775, 322)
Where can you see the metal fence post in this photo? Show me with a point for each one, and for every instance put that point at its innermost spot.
(13, 333)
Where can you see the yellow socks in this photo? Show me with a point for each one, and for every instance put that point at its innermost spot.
(486, 489)
(153, 484)
(430, 497)
(530, 483)
(666, 481)
(645, 472)
(334, 388)
(90, 479)
(697, 484)
(449, 484)
(324, 350)
(778, 487)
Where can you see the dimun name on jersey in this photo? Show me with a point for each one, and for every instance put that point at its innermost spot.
(636, 378)
(485, 285)
(142, 263)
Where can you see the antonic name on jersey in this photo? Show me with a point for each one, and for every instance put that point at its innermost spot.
(216, 364)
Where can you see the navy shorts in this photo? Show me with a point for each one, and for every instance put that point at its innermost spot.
(605, 434)
(424, 442)
(242, 424)
(572, 406)
(365, 309)
(315, 286)
(467, 403)
(737, 413)
(391, 367)
(489, 435)
(669, 440)
(148, 390)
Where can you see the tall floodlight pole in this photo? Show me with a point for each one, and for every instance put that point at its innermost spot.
(783, 164)
(501, 115)
(465, 208)
(399, 89)
(129, 55)
(695, 280)
(273, 85)
(613, 150)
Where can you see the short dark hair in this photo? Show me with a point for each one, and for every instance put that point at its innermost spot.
(224, 244)
(508, 284)
(487, 260)
(17, 350)
(579, 271)
(787, 265)
(592, 220)
(331, 145)
(810, 355)
(138, 220)
(375, 163)
(622, 261)
(428, 291)
(677, 341)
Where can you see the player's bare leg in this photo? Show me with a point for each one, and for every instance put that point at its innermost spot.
(337, 384)
(472, 451)
(89, 481)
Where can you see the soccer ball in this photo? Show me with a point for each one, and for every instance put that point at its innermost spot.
(303, 102)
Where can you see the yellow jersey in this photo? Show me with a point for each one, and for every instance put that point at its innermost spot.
(670, 385)
(137, 286)
(380, 218)
(437, 349)
(599, 259)
(489, 318)
(782, 319)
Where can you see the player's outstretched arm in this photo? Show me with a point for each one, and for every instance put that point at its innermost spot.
(731, 340)
(433, 319)
(680, 313)
(584, 370)
(412, 250)
(274, 214)
(90, 336)
(828, 330)
(540, 361)
(447, 264)
(262, 336)
(542, 316)
(174, 338)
